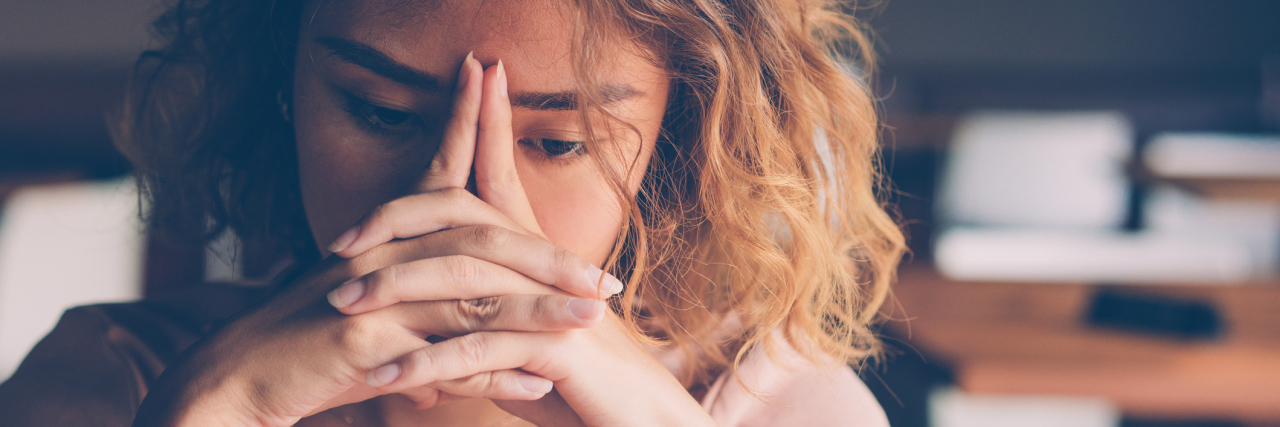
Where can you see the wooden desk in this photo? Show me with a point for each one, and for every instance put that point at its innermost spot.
(1030, 339)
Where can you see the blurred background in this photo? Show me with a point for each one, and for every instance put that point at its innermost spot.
(1091, 188)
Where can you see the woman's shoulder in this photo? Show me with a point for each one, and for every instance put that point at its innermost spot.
(94, 366)
(785, 388)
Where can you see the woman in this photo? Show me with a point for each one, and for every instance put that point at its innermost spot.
(479, 173)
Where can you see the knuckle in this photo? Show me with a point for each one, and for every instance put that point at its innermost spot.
(420, 363)
(477, 383)
(439, 165)
(378, 216)
(506, 182)
(475, 314)
(384, 280)
(463, 270)
(489, 381)
(355, 334)
(511, 179)
(457, 195)
(472, 349)
(546, 308)
(488, 238)
(565, 261)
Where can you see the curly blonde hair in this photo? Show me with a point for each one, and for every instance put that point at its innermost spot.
(759, 206)
(760, 203)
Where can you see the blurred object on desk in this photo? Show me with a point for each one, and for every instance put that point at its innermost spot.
(1186, 319)
(1250, 225)
(1038, 169)
(1217, 165)
(1186, 240)
(1042, 197)
(1190, 155)
(955, 408)
(1047, 255)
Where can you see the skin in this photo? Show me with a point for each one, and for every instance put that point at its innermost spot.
(466, 226)
(344, 169)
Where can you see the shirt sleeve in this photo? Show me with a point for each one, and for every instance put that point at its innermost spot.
(791, 391)
(89, 371)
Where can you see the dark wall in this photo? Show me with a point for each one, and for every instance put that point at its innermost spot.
(1171, 63)
(1079, 35)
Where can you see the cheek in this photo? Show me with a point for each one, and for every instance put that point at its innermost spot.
(581, 215)
(577, 207)
(342, 174)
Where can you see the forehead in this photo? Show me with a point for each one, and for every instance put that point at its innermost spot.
(536, 34)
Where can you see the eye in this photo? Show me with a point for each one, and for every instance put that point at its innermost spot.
(387, 117)
(379, 119)
(554, 148)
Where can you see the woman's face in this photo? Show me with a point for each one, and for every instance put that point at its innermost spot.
(373, 89)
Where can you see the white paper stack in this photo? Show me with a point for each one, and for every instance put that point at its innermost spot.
(1040, 197)
(1214, 155)
(1048, 255)
(1037, 169)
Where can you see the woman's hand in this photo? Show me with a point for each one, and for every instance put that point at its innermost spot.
(602, 376)
(466, 272)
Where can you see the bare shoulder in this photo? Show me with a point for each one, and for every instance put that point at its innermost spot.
(789, 390)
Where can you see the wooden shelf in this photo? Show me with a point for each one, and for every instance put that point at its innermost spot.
(1026, 338)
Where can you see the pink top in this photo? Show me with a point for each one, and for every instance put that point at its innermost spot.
(803, 395)
(791, 392)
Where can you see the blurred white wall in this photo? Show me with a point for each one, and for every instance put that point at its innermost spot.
(62, 246)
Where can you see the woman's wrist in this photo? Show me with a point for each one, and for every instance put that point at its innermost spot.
(184, 395)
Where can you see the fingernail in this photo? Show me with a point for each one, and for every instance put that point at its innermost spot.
(585, 309)
(614, 285)
(465, 73)
(535, 384)
(502, 79)
(610, 285)
(345, 239)
(383, 376)
(347, 294)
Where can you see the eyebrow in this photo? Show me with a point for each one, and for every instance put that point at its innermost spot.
(374, 60)
(367, 57)
(563, 101)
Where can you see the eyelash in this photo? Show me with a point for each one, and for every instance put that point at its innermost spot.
(371, 118)
(578, 149)
(366, 116)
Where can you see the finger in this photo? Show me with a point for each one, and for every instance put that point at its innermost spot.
(550, 410)
(451, 165)
(419, 214)
(507, 384)
(457, 358)
(428, 396)
(433, 279)
(497, 180)
(530, 256)
(516, 313)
